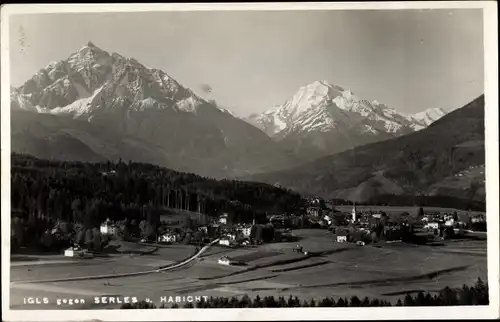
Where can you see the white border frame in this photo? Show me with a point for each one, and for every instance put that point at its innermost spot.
(432, 313)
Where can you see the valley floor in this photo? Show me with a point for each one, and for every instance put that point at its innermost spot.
(387, 271)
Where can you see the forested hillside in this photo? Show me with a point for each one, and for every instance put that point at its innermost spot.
(46, 192)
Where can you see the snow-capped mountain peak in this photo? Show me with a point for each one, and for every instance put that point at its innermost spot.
(320, 108)
(427, 117)
(310, 96)
(430, 115)
(91, 80)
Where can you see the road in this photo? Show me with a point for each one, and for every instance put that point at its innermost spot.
(169, 267)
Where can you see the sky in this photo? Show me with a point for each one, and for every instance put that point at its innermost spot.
(410, 60)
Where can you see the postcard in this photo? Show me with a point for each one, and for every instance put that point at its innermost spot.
(250, 161)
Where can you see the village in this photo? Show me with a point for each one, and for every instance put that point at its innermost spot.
(361, 226)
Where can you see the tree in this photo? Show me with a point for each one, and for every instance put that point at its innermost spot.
(97, 239)
(142, 228)
(326, 302)
(355, 301)
(89, 238)
(257, 302)
(17, 231)
(47, 240)
(420, 300)
(259, 233)
(448, 296)
(123, 232)
(408, 300)
(79, 236)
(342, 302)
(149, 232)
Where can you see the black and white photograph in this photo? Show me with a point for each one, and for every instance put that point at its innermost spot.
(245, 158)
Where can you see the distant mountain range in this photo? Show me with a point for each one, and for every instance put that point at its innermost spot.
(322, 119)
(95, 105)
(446, 158)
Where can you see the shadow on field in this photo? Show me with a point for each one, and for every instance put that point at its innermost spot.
(295, 268)
(129, 248)
(255, 267)
(249, 280)
(382, 282)
(332, 251)
(409, 292)
(24, 259)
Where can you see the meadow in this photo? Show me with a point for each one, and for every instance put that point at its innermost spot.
(387, 272)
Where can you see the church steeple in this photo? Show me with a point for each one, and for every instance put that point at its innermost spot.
(354, 212)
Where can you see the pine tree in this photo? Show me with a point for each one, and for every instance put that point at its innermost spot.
(408, 300)
(257, 302)
(355, 302)
(420, 300)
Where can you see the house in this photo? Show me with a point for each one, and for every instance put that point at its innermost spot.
(449, 222)
(168, 238)
(432, 225)
(107, 228)
(203, 229)
(224, 260)
(245, 230)
(341, 239)
(76, 251)
(224, 242)
(71, 252)
(377, 216)
(223, 218)
(228, 239)
(478, 218)
(342, 235)
(110, 173)
(314, 211)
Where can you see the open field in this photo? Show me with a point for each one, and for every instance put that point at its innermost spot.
(274, 269)
(399, 210)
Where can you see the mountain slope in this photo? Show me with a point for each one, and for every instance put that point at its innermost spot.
(63, 138)
(415, 163)
(147, 106)
(321, 119)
